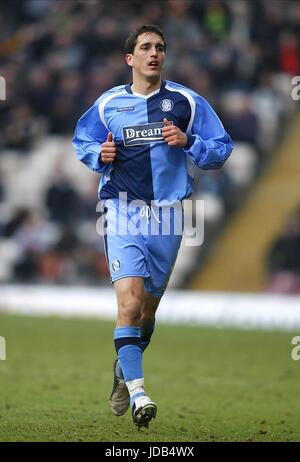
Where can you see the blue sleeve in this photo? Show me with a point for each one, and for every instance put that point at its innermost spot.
(89, 135)
(209, 145)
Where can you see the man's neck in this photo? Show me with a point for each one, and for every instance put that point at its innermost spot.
(144, 87)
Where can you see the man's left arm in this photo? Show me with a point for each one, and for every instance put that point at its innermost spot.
(206, 142)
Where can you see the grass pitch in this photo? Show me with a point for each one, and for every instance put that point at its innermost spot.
(209, 384)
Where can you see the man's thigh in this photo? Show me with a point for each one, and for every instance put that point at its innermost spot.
(126, 253)
(162, 254)
(163, 249)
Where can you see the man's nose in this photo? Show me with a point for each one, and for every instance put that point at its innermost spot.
(153, 51)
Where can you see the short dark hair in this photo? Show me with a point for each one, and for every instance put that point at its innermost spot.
(132, 39)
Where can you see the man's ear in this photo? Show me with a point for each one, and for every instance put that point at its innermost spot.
(129, 58)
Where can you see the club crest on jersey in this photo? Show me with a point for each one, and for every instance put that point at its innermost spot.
(166, 105)
(143, 134)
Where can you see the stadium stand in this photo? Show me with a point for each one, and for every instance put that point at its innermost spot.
(57, 56)
(283, 258)
(237, 262)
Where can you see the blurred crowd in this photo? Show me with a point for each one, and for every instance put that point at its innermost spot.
(283, 258)
(58, 56)
(61, 246)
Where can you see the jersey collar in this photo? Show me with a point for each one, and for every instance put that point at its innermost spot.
(129, 90)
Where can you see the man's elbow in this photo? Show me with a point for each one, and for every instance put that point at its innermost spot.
(225, 152)
(228, 149)
(218, 158)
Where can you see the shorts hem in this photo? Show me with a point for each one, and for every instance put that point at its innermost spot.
(129, 275)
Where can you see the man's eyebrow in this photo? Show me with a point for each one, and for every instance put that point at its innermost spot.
(150, 43)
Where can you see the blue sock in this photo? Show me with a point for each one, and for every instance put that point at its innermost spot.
(146, 334)
(128, 346)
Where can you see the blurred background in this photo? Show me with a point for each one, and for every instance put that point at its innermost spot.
(58, 56)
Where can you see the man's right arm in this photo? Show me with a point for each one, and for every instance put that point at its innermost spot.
(89, 138)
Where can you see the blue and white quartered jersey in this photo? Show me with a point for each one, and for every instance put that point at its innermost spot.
(145, 167)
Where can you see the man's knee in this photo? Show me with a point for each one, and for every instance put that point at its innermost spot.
(130, 296)
(130, 309)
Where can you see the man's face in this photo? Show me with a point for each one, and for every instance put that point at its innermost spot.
(148, 56)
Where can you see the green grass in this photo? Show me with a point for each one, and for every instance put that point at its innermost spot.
(209, 384)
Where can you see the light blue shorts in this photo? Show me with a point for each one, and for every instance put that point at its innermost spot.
(142, 240)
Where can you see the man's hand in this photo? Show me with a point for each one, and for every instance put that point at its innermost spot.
(108, 150)
(173, 135)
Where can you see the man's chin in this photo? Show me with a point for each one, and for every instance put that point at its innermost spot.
(154, 78)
